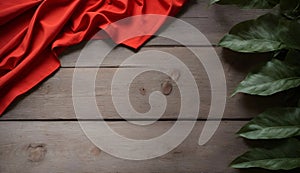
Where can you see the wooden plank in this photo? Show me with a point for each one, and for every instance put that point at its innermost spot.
(213, 21)
(30, 147)
(56, 92)
(201, 8)
(235, 61)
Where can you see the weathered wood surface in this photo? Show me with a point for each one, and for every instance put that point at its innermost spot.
(33, 147)
(56, 92)
(213, 21)
(201, 8)
(40, 133)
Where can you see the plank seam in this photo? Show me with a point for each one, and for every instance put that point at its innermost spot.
(123, 120)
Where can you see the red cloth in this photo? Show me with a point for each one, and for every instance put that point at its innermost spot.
(33, 32)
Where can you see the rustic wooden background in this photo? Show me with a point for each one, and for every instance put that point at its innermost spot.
(39, 132)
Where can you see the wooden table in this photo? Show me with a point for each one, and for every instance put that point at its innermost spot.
(40, 132)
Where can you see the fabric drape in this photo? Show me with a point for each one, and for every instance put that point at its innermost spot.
(34, 32)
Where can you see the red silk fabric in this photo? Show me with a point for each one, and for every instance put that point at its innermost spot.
(34, 32)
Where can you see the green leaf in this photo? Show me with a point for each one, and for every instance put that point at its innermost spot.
(275, 76)
(241, 44)
(264, 34)
(290, 8)
(276, 123)
(248, 3)
(260, 35)
(285, 156)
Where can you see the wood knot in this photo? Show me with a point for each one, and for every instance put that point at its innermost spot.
(36, 152)
(95, 151)
(166, 87)
(142, 91)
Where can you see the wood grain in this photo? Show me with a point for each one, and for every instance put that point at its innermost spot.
(201, 8)
(38, 132)
(65, 148)
(213, 21)
(56, 92)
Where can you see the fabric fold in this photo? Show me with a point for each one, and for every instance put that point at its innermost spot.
(11, 9)
(34, 32)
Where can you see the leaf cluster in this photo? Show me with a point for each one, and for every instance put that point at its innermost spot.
(278, 34)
